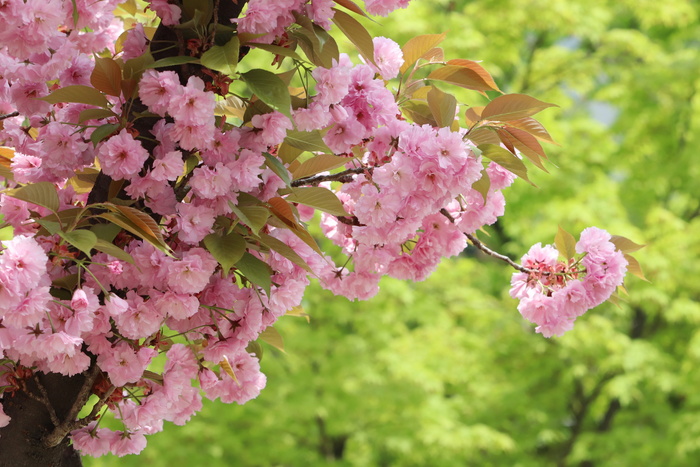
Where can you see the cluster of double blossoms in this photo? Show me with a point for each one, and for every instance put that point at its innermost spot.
(412, 205)
(554, 293)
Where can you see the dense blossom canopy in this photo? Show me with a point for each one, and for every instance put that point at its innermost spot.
(159, 218)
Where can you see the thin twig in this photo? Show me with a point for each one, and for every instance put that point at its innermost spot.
(345, 176)
(10, 115)
(477, 243)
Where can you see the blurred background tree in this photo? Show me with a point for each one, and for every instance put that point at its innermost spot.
(446, 372)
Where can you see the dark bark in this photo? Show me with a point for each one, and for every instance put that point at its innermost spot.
(23, 441)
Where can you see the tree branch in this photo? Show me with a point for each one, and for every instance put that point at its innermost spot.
(346, 176)
(477, 243)
(10, 115)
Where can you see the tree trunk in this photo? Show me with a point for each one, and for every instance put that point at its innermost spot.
(21, 442)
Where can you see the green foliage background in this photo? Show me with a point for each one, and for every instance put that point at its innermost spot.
(445, 372)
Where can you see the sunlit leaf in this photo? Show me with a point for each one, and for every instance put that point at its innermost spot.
(319, 198)
(478, 69)
(634, 267)
(357, 34)
(443, 106)
(352, 6)
(417, 46)
(513, 107)
(223, 58)
(460, 76)
(307, 141)
(533, 127)
(318, 164)
(272, 337)
(505, 159)
(483, 185)
(565, 243)
(625, 245)
(40, 193)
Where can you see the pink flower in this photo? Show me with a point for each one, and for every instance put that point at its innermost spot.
(121, 156)
(194, 223)
(141, 319)
(191, 274)
(125, 365)
(91, 440)
(157, 89)
(388, 57)
(169, 13)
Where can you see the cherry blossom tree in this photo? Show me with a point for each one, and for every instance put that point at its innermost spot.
(159, 184)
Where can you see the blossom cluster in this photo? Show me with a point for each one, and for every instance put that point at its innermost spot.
(554, 293)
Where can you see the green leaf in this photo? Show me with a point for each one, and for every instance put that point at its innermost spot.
(625, 245)
(277, 50)
(285, 250)
(419, 112)
(483, 185)
(505, 159)
(254, 217)
(318, 197)
(288, 153)
(513, 107)
(272, 337)
(83, 240)
(172, 61)
(307, 141)
(223, 58)
(565, 243)
(254, 347)
(357, 34)
(270, 89)
(50, 226)
(226, 249)
(106, 232)
(417, 46)
(107, 76)
(113, 250)
(95, 114)
(256, 271)
(7, 233)
(40, 193)
(277, 167)
(443, 107)
(103, 131)
(78, 94)
(317, 164)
